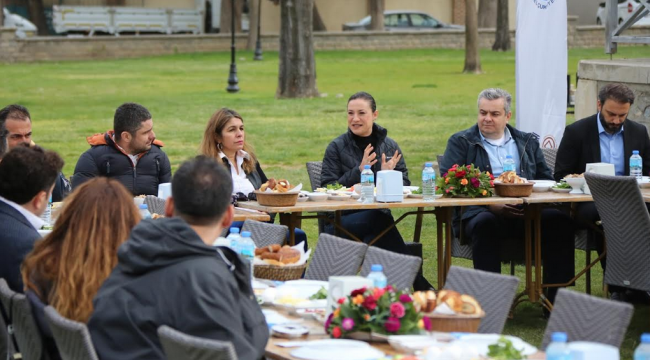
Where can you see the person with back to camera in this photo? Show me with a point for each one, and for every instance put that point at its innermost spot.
(224, 139)
(366, 143)
(68, 266)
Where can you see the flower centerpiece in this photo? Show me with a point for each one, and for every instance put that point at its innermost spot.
(376, 310)
(465, 180)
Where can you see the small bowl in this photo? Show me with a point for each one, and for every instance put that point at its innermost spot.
(357, 188)
(543, 185)
(576, 183)
(317, 196)
(339, 197)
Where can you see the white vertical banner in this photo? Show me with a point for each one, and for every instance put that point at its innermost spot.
(541, 69)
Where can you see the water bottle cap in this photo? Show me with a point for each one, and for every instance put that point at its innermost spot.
(245, 234)
(366, 166)
(635, 152)
(645, 338)
(428, 164)
(508, 156)
(234, 230)
(143, 206)
(558, 337)
(376, 267)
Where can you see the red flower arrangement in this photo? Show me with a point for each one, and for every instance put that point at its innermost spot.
(465, 180)
(376, 310)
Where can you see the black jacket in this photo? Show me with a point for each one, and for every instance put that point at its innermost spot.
(105, 159)
(17, 239)
(166, 275)
(580, 145)
(343, 157)
(465, 147)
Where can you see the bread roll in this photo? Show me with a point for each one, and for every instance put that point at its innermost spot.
(424, 301)
(470, 305)
(452, 299)
(289, 255)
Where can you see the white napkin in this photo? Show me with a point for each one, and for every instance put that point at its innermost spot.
(296, 189)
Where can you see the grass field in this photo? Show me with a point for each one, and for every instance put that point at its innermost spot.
(421, 95)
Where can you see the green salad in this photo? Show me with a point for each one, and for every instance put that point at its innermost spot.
(334, 186)
(417, 192)
(562, 185)
(504, 350)
(319, 295)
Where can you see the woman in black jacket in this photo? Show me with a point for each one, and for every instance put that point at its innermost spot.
(366, 143)
(224, 138)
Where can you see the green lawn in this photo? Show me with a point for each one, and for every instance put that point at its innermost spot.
(421, 95)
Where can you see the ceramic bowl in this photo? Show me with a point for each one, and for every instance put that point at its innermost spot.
(576, 183)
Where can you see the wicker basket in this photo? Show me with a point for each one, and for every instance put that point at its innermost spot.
(280, 273)
(455, 323)
(514, 190)
(276, 199)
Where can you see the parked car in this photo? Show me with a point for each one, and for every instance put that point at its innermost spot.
(625, 9)
(23, 26)
(403, 20)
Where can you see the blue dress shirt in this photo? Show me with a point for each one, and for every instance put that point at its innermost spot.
(497, 153)
(611, 148)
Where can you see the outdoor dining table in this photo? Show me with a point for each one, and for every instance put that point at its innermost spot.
(245, 214)
(317, 332)
(442, 208)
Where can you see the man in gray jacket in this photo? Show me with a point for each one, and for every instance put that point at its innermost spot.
(168, 273)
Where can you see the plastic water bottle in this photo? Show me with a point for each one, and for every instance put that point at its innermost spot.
(509, 164)
(636, 165)
(233, 237)
(47, 214)
(428, 182)
(144, 211)
(558, 348)
(367, 185)
(246, 248)
(642, 351)
(377, 276)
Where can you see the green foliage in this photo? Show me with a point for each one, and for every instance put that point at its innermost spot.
(504, 350)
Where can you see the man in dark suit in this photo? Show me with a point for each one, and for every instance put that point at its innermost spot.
(27, 177)
(607, 136)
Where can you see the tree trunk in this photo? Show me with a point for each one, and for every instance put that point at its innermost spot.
(472, 57)
(115, 2)
(319, 24)
(502, 37)
(377, 14)
(37, 15)
(2, 14)
(252, 21)
(297, 70)
(487, 14)
(226, 10)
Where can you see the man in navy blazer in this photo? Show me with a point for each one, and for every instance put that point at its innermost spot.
(27, 177)
(607, 136)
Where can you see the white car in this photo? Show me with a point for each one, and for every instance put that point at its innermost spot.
(625, 9)
(22, 25)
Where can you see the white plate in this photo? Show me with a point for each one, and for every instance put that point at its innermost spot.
(44, 232)
(301, 289)
(411, 188)
(410, 344)
(560, 190)
(480, 342)
(340, 349)
(543, 185)
(317, 196)
(303, 199)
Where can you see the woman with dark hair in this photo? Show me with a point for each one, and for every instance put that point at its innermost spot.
(68, 266)
(366, 143)
(224, 138)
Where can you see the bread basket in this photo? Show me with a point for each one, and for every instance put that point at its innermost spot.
(276, 199)
(280, 273)
(455, 323)
(513, 190)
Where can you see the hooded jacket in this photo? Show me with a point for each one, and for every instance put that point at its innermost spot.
(104, 158)
(466, 147)
(343, 156)
(166, 275)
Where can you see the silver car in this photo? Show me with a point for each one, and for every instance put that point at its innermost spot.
(396, 20)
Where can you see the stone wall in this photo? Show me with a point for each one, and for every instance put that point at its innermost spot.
(32, 49)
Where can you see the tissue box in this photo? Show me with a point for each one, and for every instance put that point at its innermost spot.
(390, 187)
(598, 168)
(342, 286)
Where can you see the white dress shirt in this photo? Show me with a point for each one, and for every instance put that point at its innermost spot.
(240, 182)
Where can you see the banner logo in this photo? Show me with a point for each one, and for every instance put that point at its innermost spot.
(549, 142)
(543, 4)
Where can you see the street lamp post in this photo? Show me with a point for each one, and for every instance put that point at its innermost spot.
(258, 43)
(232, 77)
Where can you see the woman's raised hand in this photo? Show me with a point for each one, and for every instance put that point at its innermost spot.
(390, 164)
(369, 157)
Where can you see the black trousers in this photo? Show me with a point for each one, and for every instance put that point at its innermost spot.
(486, 230)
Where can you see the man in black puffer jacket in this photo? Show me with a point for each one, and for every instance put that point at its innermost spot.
(130, 153)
